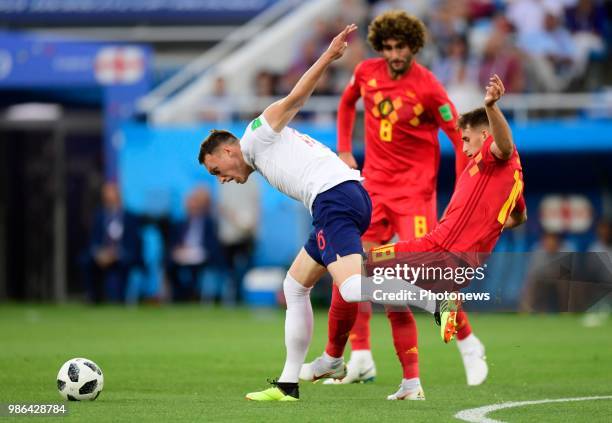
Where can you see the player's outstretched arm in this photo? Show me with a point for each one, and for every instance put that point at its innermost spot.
(503, 146)
(280, 113)
(346, 119)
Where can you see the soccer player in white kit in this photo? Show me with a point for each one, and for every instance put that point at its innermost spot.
(307, 171)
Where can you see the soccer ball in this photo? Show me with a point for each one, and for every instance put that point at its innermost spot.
(80, 379)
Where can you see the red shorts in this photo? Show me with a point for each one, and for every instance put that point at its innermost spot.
(416, 219)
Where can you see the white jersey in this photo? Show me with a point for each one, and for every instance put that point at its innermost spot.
(293, 163)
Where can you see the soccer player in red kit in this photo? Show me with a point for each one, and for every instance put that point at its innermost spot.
(488, 198)
(405, 106)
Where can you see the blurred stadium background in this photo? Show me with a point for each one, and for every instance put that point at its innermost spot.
(104, 104)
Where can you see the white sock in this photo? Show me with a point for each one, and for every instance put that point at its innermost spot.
(350, 290)
(361, 356)
(331, 360)
(468, 343)
(411, 384)
(298, 328)
(413, 293)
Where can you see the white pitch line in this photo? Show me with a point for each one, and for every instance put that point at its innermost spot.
(479, 415)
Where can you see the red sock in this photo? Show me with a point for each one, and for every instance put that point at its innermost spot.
(463, 326)
(340, 321)
(404, 330)
(360, 335)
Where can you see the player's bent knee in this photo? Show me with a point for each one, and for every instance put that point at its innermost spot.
(294, 287)
(350, 289)
(305, 269)
(344, 267)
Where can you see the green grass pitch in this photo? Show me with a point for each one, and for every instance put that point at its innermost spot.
(196, 363)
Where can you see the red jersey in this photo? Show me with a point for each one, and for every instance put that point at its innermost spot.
(487, 191)
(402, 119)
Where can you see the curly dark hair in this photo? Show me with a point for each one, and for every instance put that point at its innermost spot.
(398, 25)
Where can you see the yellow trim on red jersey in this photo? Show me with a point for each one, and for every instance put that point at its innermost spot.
(418, 109)
(393, 117)
(384, 252)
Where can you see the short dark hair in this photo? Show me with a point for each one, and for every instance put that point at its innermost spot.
(398, 25)
(473, 118)
(216, 138)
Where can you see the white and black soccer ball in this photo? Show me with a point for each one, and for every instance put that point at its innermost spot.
(80, 379)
